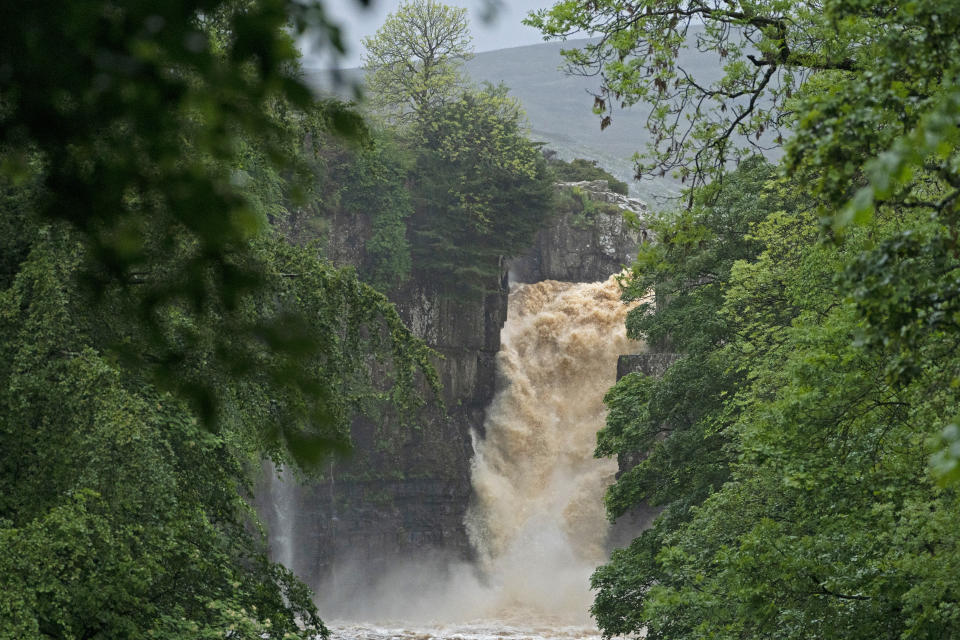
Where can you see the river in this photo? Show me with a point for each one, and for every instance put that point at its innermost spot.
(479, 630)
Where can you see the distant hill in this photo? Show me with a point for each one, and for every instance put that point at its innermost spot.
(559, 108)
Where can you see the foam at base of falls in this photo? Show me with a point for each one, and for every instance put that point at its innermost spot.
(479, 630)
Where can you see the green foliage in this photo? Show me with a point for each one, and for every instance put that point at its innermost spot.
(579, 169)
(413, 61)
(826, 491)
(678, 419)
(121, 515)
(897, 118)
(674, 418)
(583, 208)
(161, 539)
(161, 131)
(158, 336)
(374, 184)
(482, 189)
(793, 452)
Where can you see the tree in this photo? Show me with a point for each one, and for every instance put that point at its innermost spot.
(116, 489)
(676, 421)
(159, 336)
(172, 165)
(122, 515)
(413, 61)
(849, 79)
(481, 189)
(790, 449)
(694, 122)
(581, 169)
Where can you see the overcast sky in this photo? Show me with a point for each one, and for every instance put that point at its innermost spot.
(503, 31)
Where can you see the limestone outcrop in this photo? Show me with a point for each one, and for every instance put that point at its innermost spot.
(594, 234)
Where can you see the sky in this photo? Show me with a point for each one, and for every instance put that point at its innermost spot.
(503, 31)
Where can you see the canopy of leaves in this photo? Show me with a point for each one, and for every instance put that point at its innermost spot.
(159, 334)
(482, 189)
(160, 131)
(121, 514)
(414, 60)
(117, 493)
(791, 452)
(672, 418)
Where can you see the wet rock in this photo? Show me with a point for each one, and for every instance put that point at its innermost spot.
(649, 364)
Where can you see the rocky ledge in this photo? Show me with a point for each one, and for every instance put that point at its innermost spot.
(594, 233)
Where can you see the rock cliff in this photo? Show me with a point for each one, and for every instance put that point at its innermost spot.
(406, 490)
(594, 233)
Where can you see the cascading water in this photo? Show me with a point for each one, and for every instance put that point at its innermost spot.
(538, 523)
(281, 493)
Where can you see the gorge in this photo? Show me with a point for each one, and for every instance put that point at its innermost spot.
(494, 509)
(375, 329)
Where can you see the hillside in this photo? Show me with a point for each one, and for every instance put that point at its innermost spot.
(559, 108)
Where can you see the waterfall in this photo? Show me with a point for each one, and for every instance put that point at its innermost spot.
(281, 492)
(538, 522)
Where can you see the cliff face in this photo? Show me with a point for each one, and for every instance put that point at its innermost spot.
(406, 489)
(589, 238)
(654, 363)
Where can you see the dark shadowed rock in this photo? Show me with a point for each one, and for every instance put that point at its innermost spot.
(649, 364)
